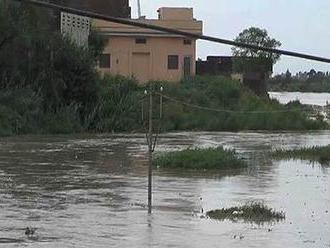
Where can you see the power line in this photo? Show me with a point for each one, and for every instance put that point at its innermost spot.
(141, 24)
(226, 110)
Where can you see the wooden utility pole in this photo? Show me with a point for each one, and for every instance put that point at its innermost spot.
(151, 136)
(150, 151)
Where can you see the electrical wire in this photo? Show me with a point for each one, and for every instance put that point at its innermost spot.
(229, 111)
(143, 24)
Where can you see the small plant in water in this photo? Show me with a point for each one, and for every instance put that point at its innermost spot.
(200, 159)
(255, 212)
(317, 154)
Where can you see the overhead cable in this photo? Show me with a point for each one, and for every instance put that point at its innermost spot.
(226, 110)
(143, 24)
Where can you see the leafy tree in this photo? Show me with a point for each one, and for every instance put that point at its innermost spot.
(259, 37)
(35, 55)
(252, 59)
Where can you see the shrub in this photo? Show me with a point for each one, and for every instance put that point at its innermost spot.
(318, 154)
(198, 159)
(252, 212)
(64, 121)
(119, 106)
(20, 111)
(242, 110)
(7, 121)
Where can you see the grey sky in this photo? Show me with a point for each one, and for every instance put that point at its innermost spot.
(301, 25)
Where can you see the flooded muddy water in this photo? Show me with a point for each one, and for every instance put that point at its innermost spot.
(91, 191)
(309, 98)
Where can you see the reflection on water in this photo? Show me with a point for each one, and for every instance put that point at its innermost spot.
(90, 191)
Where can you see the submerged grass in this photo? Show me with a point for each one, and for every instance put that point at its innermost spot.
(316, 154)
(200, 159)
(252, 212)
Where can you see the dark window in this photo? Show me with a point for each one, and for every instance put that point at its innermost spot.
(105, 60)
(173, 62)
(141, 41)
(186, 42)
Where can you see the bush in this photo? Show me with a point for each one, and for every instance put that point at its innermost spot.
(242, 110)
(64, 121)
(318, 154)
(118, 107)
(20, 111)
(252, 212)
(200, 159)
(7, 121)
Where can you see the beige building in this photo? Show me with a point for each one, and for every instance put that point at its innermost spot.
(147, 54)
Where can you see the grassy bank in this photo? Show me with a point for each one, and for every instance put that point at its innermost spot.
(253, 212)
(242, 110)
(317, 154)
(47, 92)
(200, 159)
(116, 106)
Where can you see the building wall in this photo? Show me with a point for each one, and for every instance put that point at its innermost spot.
(175, 14)
(149, 61)
(110, 28)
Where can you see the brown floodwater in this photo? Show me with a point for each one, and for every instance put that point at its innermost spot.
(91, 191)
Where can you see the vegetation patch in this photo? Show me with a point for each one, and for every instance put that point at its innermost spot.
(311, 81)
(48, 84)
(200, 159)
(315, 154)
(242, 109)
(252, 212)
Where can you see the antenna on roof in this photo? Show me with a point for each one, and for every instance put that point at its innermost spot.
(139, 8)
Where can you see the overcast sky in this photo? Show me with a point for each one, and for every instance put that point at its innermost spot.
(301, 25)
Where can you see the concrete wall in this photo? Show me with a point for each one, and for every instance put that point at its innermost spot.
(149, 61)
(110, 28)
(175, 14)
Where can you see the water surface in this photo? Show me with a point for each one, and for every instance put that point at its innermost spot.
(309, 98)
(90, 191)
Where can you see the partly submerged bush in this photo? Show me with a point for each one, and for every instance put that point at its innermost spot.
(20, 110)
(21, 113)
(317, 154)
(116, 106)
(253, 212)
(237, 108)
(65, 120)
(7, 121)
(200, 159)
(119, 106)
(43, 74)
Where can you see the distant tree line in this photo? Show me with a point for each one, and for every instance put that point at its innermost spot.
(307, 81)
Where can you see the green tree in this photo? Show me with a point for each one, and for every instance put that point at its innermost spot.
(259, 37)
(34, 56)
(248, 59)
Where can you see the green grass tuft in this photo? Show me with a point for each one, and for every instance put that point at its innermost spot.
(200, 159)
(316, 154)
(252, 212)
